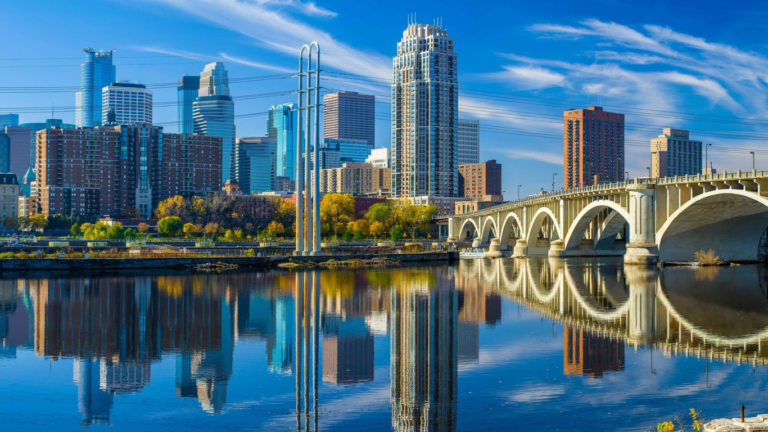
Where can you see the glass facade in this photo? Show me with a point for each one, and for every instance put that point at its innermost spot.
(5, 153)
(214, 81)
(215, 116)
(335, 152)
(255, 164)
(9, 120)
(189, 85)
(282, 126)
(96, 73)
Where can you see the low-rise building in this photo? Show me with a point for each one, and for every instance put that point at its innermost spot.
(462, 207)
(356, 179)
(9, 195)
(444, 205)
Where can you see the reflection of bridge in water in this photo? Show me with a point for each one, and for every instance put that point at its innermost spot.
(714, 313)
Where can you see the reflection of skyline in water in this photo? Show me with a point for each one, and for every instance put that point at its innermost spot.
(115, 328)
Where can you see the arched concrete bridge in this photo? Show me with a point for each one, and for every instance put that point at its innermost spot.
(666, 219)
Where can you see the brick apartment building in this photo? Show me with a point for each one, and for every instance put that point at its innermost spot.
(481, 181)
(104, 170)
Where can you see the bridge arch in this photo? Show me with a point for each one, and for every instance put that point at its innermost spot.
(464, 231)
(507, 226)
(728, 221)
(537, 221)
(488, 224)
(587, 215)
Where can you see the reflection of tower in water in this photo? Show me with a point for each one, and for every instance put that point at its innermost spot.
(587, 353)
(423, 365)
(307, 327)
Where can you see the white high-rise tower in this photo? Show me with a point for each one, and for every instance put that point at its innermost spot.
(425, 110)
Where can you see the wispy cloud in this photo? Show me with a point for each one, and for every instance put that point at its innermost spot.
(254, 64)
(176, 53)
(550, 158)
(269, 24)
(304, 8)
(530, 77)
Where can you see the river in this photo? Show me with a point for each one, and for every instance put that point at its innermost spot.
(480, 345)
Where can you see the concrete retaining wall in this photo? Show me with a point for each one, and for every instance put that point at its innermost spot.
(171, 263)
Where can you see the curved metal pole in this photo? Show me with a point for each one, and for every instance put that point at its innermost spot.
(299, 305)
(298, 175)
(307, 148)
(316, 186)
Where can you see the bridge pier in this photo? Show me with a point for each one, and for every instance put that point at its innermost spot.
(641, 248)
(557, 248)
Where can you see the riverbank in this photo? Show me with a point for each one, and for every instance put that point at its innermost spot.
(77, 264)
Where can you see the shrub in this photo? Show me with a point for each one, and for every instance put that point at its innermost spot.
(706, 258)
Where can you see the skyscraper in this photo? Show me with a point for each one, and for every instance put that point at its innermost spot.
(255, 164)
(131, 103)
(214, 113)
(349, 115)
(593, 142)
(282, 126)
(189, 86)
(673, 153)
(481, 181)
(96, 73)
(469, 141)
(425, 109)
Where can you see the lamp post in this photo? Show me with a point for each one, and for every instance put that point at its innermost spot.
(705, 157)
(649, 172)
(753, 160)
(518, 191)
(626, 175)
(553, 181)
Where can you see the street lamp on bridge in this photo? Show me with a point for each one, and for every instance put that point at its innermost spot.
(753, 160)
(553, 181)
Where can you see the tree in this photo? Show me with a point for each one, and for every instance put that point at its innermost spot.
(211, 229)
(143, 227)
(380, 212)
(396, 232)
(131, 213)
(174, 206)
(75, 230)
(11, 222)
(337, 209)
(38, 222)
(361, 225)
(285, 212)
(85, 227)
(378, 230)
(115, 232)
(170, 226)
(190, 230)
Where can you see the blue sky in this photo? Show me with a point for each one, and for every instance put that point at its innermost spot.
(701, 66)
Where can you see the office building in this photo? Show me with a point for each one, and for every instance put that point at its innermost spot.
(187, 91)
(9, 195)
(425, 109)
(105, 170)
(469, 141)
(281, 125)
(255, 164)
(593, 142)
(673, 153)
(356, 179)
(284, 184)
(215, 116)
(444, 205)
(35, 127)
(96, 73)
(481, 181)
(349, 115)
(333, 153)
(9, 120)
(14, 150)
(379, 158)
(131, 103)
(213, 113)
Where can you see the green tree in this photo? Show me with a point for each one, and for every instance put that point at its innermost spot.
(38, 222)
(75, 230)
(336, 209)
(380, 212)
(396, 233)
(378, 230)
(11, 222)
(347, 236)
(189, 229)
(170, 226)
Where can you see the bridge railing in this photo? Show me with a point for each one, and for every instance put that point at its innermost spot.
(613, 185)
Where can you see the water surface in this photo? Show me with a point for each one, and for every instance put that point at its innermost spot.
(532, 344)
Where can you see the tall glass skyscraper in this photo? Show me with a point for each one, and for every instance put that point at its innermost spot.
(96, 73)
(215, 116)
(189, 86)
(213, 113)
(9, 120)
(255, 164)
(425, 114)
(282, 126)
